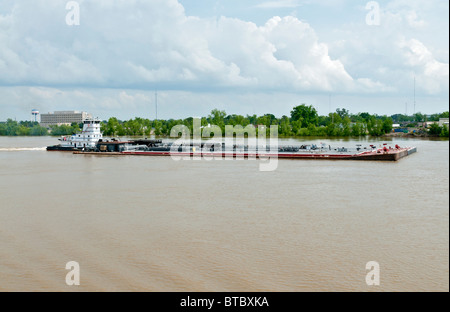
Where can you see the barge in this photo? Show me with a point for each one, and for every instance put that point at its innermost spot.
(208, 150)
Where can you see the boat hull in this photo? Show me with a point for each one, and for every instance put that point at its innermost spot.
(391, 155)
(59, 148)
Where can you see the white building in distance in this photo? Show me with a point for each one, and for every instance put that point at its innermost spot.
(64, 118)
(443, 121)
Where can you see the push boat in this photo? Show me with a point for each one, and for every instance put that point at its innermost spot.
(87, 139)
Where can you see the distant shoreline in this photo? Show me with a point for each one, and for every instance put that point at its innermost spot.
(304, 122)
(311, 138)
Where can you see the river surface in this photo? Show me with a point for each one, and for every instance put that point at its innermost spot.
(155, 224)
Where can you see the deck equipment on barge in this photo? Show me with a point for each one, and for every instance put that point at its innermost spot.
(159, 148)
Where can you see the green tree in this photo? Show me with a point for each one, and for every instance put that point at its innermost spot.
(387, 124)
(435, 129)
(12, 127)
(112, 126)
(336, 118)
(284, 128)
(134, 127)
(252, 119)
(37, 130)
(306, 114)
(419, 117)
(346, 129)
(331, 129)
(217, 118)
(62, 130)
(434, 117)
(23, 130)
(375, 126)
(76, 127)
(189, 123)
(296, 126)
(365, 116)
(358, 129)
(343, 113)
(398, 118)
(444, 132)
(312, 130)
(157, 124)
(324, 120)
(2, 129)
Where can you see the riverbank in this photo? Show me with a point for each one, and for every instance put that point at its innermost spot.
(389, 136)
(414, 135)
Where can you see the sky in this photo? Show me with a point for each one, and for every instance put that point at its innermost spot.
(112, 57)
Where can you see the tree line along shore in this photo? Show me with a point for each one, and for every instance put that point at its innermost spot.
(304, 120)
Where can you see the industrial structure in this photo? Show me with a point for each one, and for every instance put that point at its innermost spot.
(35, 113)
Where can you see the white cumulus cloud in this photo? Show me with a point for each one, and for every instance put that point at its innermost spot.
(140, 44)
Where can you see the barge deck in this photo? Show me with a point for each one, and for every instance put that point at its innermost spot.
(373, 155)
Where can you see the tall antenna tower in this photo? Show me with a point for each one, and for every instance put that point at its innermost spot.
(414, 95)
(329, 102)
(156, 104)
(332, 114)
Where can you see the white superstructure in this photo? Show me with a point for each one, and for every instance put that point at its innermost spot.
(87, 138)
